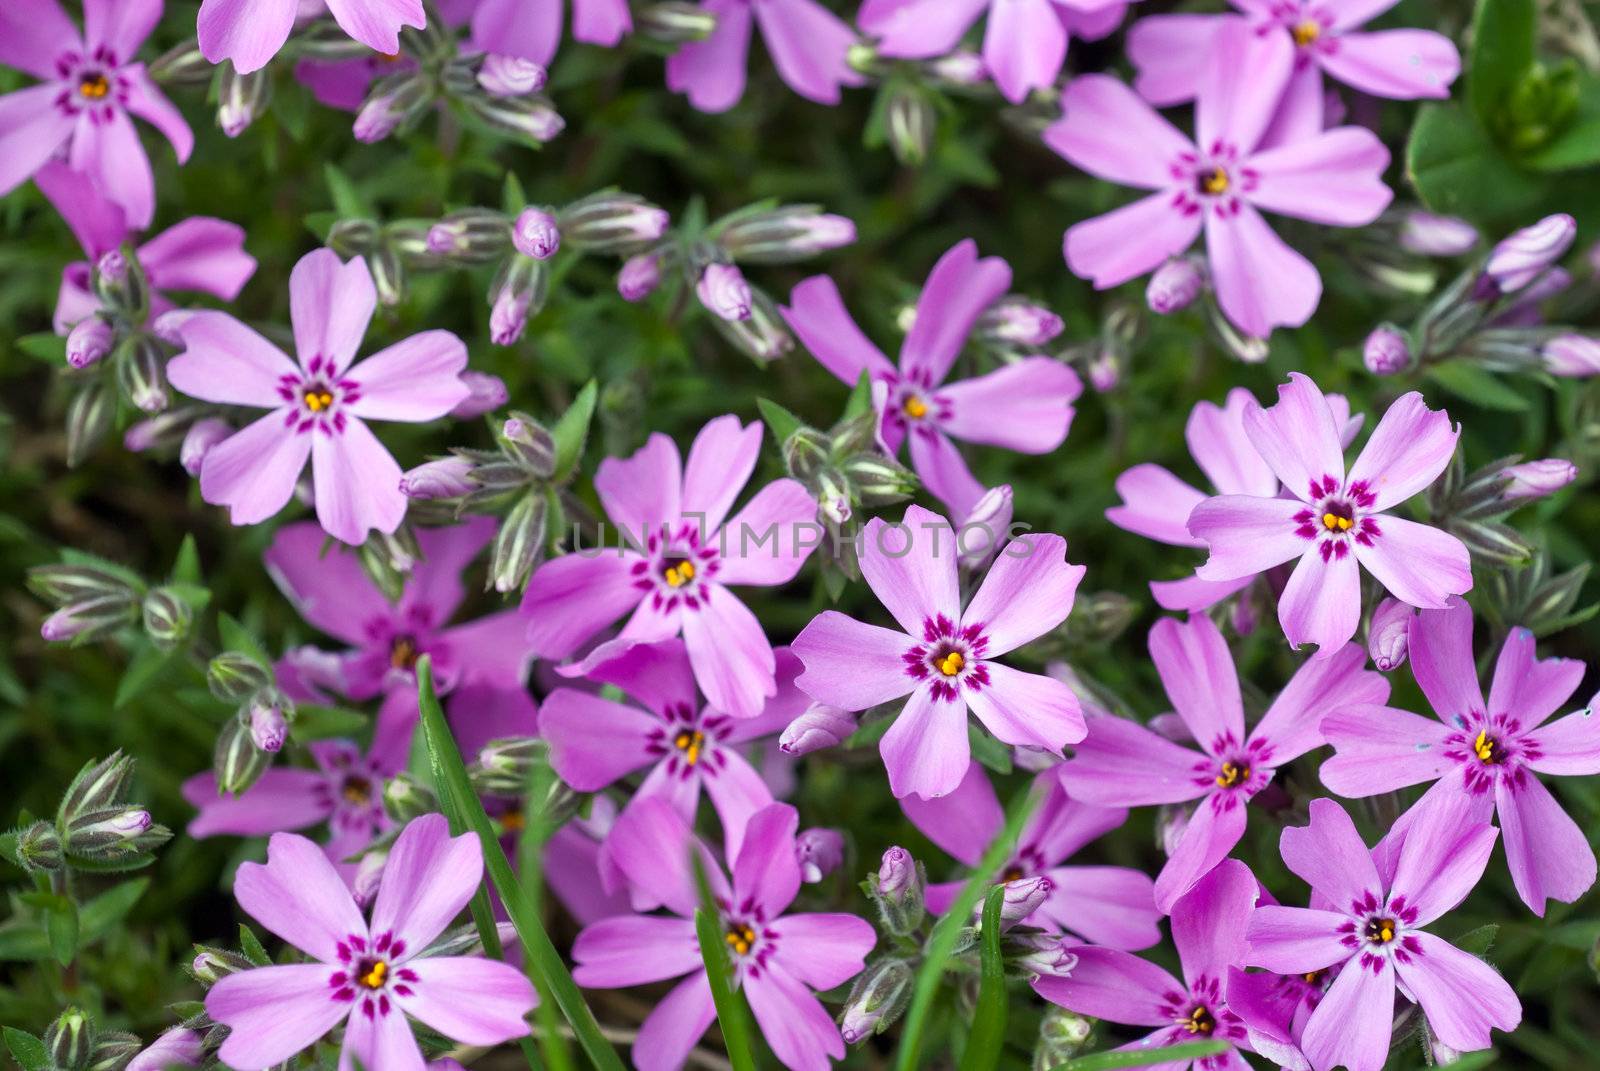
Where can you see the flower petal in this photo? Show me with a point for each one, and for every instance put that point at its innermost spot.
(1418, 564)
(1246, 535)
(1461, 995)
(330, 304)
(1233, 109)
(1329, 854)
(1439, 644)
(428, 879)
(676, 1023)
(963, 822)
(737, 792)
(1294, 940)
(1129, 241)
(357, 483)
(1333, 178)
(1106, 130)
(808, 44)
(651, 843)
(634, 950)
(382, 1041)
(712, 72)
(1208, 924)
(1400, 64)
(1156, 505)
(1443, 856)
(1528, 687)
(944, 471)
(273, 1012)
(720, 463)
(822, 950)
(817, 316)
(414, 380)
(226, 362)
(1223, 450)
(571, 598)
(1245, 254)
(1292, 725)
(471, 1000)
(248, 32)
(1381, 749)
(1352, 1024)
(33, 35)
(150, 104)
(1024, 46)
(330, 590)
(1548, 855)
(1297, 437)
(299, 896)
(766, 871)
(1027, 709)
(377, 23)
(1197, 671)
(1027, 592)
(1112, 985)
(918, 29)
(199, 253)
(253, 471)
(1569, 746)
(1321, 604)
(281, 799)
(911, 568)
(109, 151)
(732, 660)
(594, 741)
(1170, 53)
(925, 751)
(1025, 406)
(767, 541)
(1107, 905)
(1212, 832)
(642, 493)
(958, 289)
(850, 664)
(1408, 450)
(1120, 763)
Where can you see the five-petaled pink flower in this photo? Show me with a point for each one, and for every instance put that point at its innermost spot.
(1336, 518)
(1025, 406)
(944, 655)
(1218, 181)
(250, 32)
(1122, 763)
(1369, 925)
(683, 551)
(807, 42)
(319, 404)
(80, 110)
(778, 959)
(369, 977)
(1485, 752)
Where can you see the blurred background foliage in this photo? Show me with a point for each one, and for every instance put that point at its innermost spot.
(662, 367)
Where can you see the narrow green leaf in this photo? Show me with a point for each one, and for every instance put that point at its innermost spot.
(250, 945)
(937, 954)
(1478, 941)
(512, 199)
(1166, 1054)
(61, 925)
(99, 915)
(732, 1014)
(1478, 386)
(1503, 37)
(24, 941)
(46, 346)
(988, 1032)
(235, 637)
(860, 398)
(347, 200)
(322, 723)
(186, 568)
(143, 668)
(28, 1050)
(462, 807)
(780, 421)
(988, 751)
(572, 431)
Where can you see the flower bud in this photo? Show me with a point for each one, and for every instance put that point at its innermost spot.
(1062, 1035)
(1041, 955)
(1493, 542)
(241, 98)
(899, 892)
(113, 833)
(1023, 897)
(909, 123)
(1017, 320)
(178, 1047)
(73, 582)
(833, 497)
(97, 786)
(612, 222)
(1536, 479)
(211, 965)
(962, 69)
(1523, 255)
(90, 619)
(819, 853)
(198, 441)
(470, 236)
(405, 798)
(1386, 351)
(39, 847)
(268, 726)
(89, 341)
(487, 393)
(877, 998)
(511, 76)
(158, 432)
(535, 234)
(234, 676)
(879, 480)
(518, 293)
(120, 284)
(820, 726)
(1572, 356)
(530, 119)
(985, 529)
(1104, 372)
(392, 102)
(762, 335)
(519, 544)
(505, 765)
(1430, 235)
(141, 371)
(167, 618)
(527, 442)
(70, 1040)
(237, 762)
(353, 237)
(675, 22)
(369, 875)
(1174, 285)
(89, 416)
(1387, 634)
(448, 477)
(639, 277)
(113, 1051)
(784, 235)
(182, 65)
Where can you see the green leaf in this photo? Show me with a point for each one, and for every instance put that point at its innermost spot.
(988, 1032)
(936, 958)
(100, 915)
(23, 941)
(1478, 941)
(28, 1050)
(461, 805)
(61, 926)
(235, 637)
(1474, 384)
(1579, 144)
(512, 198)
(1470, 1061)
(732, 1015)
(572, 431)
(46, 346)
(143, 668)
(323, 723)
(1503, 39)
(780, 421)
(347, 201)
(1175, 1054)
(989, 751)
(860, 398)
(1459, 171)
(250, 945)
(186, 568)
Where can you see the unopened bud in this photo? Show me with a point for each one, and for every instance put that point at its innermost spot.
(90, 619)
(39, 847)
(879, 480)
(505, 766)
(210, 965)
(983, 532)
(1536, 479)
(1023, 897)
(909, 123)
(113, 833)
(70, 1040)
(517, 294)
(113, 1051)
(353, 237)
(511, 76)
(1388, 633)
(486, 394)
(167, 618)
(1571, 356)
(639, 277)
(237, 762)
(268, 726)
(160, 432)
(900, 892)
(675, 22)
(1386, 351)
(198, 441)
(528, 118)
(877, 998)
(89, 416)
(819, 853)
(182, 65)
(833, 497)
(89, 341)
(1019, 321)
(97, 786)
(448, 477)
(519, 544)
(1494, 542)
(1062, 1035)
(368, 877)
(612, 222)
(784, 235)
(536, 234)
(1104, 372)
(1174, 285)
(1430, 235)
(391, 103)
(234, 676)
(241, 98)
(1041, 954)
(405, 798)
(141, 371)
(1523, 255)
(178, 1047)
(527, 442)
(762, 335)
(821, 726)
(120, 284)
(963, 69)
(71, 582)
(470, 236)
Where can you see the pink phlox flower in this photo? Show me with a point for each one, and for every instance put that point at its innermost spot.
(251, 32)
(1371, 927)
(1122, 763)
(1218, 182)
(1332, 518)
(319, 404)
(1024, 406)
(807, 42)
(1208, 928)
(1484, 753)
(682, 553)
(368, 977)
(199, 253)
(944, 656)
(1104, 905)
(779, 959)
(89, 86)
(531, 29)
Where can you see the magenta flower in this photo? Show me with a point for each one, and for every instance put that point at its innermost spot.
(250, 32)
(1337, 518)
(89, 86)
(687, 747)
(1218, 181)
(1483, 753)
(1025, 406)
(778, 959)
(318, 406)
(1105, 905)
(531, 29)
(1156, 504)
(942, 656)
(177, 1047)
(199, 253)
(1170, 53)
(683, 551)
(1122, 763)
(1371, 928)
(1024, 44)
(807, 42)
(1208, 926)
(368, 977)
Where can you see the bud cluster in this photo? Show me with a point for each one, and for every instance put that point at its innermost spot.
(96, 827)
(1470, 505)
(250, 739)
(92, 598)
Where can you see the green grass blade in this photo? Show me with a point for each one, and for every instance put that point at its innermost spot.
(536, 832)
(732, 1015)
(988, 1032)
(1109, 1061)
(465, 812)
(937, 954)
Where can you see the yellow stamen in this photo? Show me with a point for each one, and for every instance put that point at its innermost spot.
(914, 407)
(373, 979)
(1484, 747)
(1380, 931)
(1199, 1021)
(1232, 775)
(1306, 32)
(357, 790)
(1335, 523)
(403, 653)
(1214, 182)
(951, 663)
(740, 938)
(680, 574)
(689, 742)
(318, 400)
(94, 86)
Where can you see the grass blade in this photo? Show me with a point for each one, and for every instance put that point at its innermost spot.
(732, 1015)
(1110, 1061)
(465, 812)
(988, 1032)
(943, 939)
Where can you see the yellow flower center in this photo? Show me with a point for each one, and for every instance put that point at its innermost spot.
(914, 407)
(1487, 748)
(1214, 181)
(1200, 1021)
(513, 821)
(740, 938)
(689, 741)
(357, 790)
(1335, 523)
(1380, 931)
(951, 663)
(679, 574)
(375, 975)
(1306, 32)
(93, 86)
(403, 653)
(318, 398)
(1233, 775)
